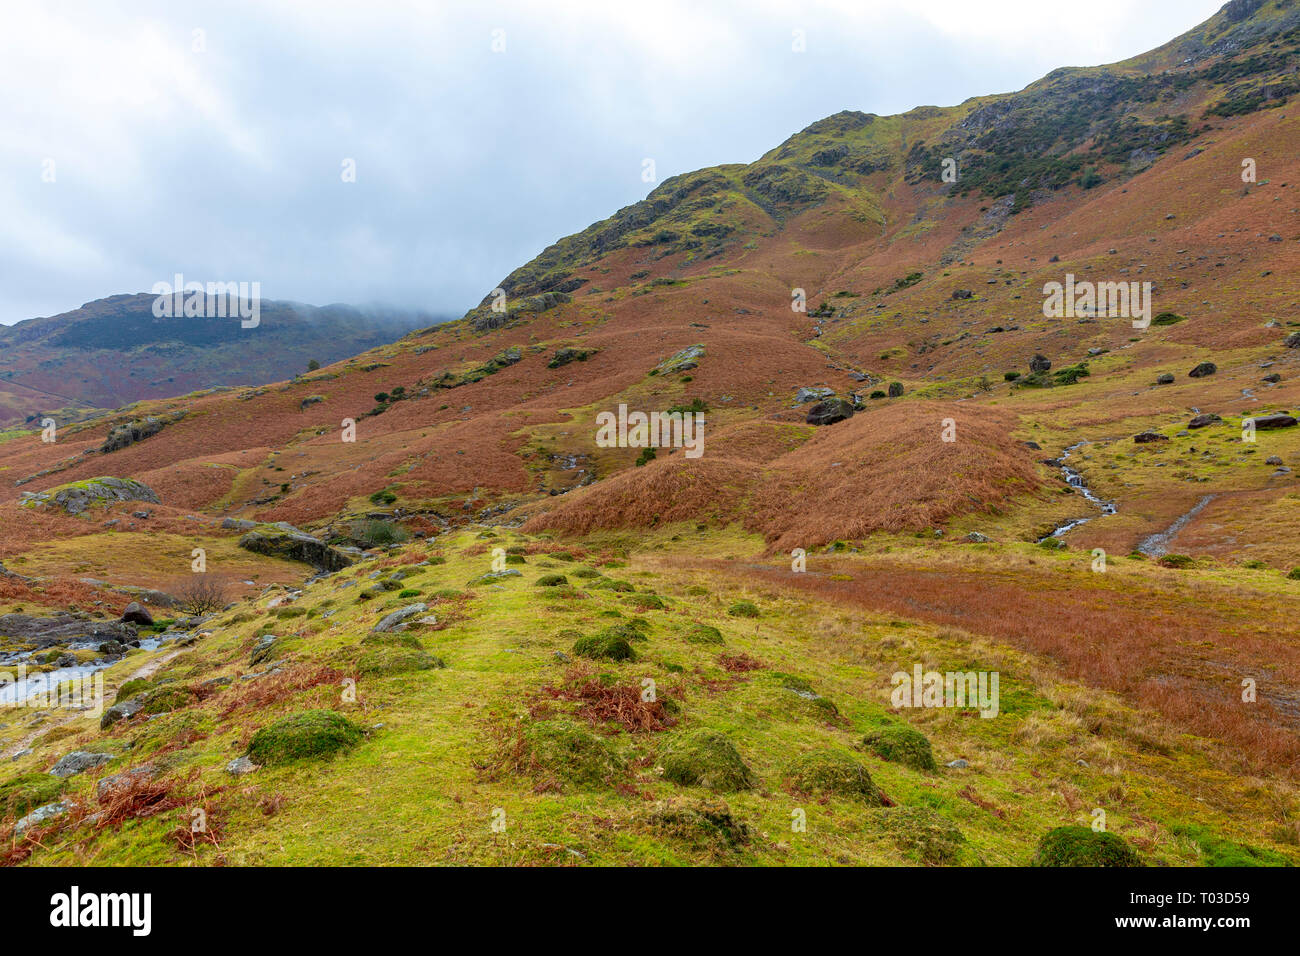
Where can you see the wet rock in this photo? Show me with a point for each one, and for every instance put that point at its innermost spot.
(830, 411)
(135, 614)
(77, 762)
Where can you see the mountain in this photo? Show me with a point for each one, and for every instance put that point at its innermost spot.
(115, 350)
(912, 462)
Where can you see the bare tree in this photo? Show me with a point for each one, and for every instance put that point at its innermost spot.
(204, 594)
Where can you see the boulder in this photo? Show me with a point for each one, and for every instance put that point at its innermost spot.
(1204, 369)
(122, 710)
(241, 765)
(294, 545)
(1292, 341)
(399, 617)
(117, 781)
(135, 614)
(1165, 378)
(77, 762)
(830, 411)
(1146, 438)
(815, 394)
(1201, 421)
(1039, 363)
(962, 293)
(41, 814)
(1279, 420)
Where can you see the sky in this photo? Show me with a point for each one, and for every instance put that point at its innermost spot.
(413, 153)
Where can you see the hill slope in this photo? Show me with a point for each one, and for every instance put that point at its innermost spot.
(1143, 631)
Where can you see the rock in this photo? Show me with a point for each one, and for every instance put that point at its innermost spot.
(61, 628)
(398, 618)
(1264, 422)
(262, 649)
(1039, 363)
(685, 360)
(1292, 341)
(976, 538)
(1145, 438)
(1272, 460)
(135, 614)
(41, 814)
(1272, 379)
(242, 765)
(294, 545)
(122, 710)
(1203, 420)
(895, 389)
(1165, 378)
(494, 576)
(1033, 444)
(124, 779)
(830, 411)
(962, 293)
(814, 394)
(237, 524)
(957, 764)
(75, 498)
(77, 762)
(1204, 369)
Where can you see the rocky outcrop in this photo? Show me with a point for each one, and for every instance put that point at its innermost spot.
(685, 360)
(1146, 438)
(135, 614)
(1279, 420)
(288, 543)
(80, 496)
(1204, 369)
(77, 762)
(1204, 420)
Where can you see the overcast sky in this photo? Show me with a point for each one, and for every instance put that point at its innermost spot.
(220, 153)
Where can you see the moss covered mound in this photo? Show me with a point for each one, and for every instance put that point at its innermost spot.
(392, 639)
(310, 734)
(706, 824)
(606, 644)
(924, 835)
(396, 660)
(707, 759)
(898, 743)
(551, 581)
(704, 634)
(1082, 846)
(743, 609)
(166, 699)
(571, 752)
(831, 772)
(21, 795)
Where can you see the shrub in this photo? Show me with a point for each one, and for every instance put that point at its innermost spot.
(370, 534)
(1081, 846)
(647, 455)
(1293, 574)
(201, 594)
(309, 734)
(743, 609)
(706, 759)
(408, 593)
(901, 744)
(1176, 561)
(384, 497)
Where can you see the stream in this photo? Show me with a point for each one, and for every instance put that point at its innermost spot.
(1075, 480)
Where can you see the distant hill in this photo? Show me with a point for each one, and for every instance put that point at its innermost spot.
(114, 351)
